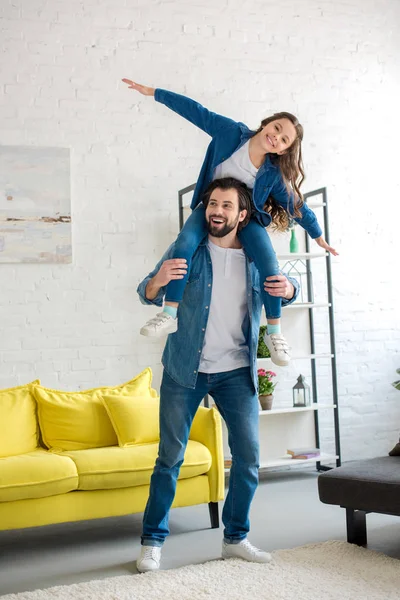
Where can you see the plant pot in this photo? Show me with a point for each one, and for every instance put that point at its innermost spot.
(266, 401)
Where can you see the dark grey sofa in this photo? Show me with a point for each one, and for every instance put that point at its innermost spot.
(362, 487)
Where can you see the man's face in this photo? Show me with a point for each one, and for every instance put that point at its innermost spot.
(222, 212)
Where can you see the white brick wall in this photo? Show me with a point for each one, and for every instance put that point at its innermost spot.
(334, 64)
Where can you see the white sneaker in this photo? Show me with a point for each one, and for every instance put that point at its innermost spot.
(149, 559)
(161, 324)
(246, 551)
(278, 349)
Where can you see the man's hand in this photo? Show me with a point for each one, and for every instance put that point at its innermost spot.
(142, 89)
(279, 285)
(173, 268)
(321, 242)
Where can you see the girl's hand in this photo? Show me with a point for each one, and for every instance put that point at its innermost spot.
(142, 89)
(321, 242)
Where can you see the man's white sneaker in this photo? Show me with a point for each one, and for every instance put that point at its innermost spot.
(161, 324)
(149, 559)
(278, 349)
(246, 551)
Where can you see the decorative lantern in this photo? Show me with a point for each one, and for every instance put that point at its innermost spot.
(301, 393)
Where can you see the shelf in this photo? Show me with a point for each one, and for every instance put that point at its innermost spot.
(308, 305)
(316, 204)
(302, 357)
(292, 409)
(302, 255)
(288, 461)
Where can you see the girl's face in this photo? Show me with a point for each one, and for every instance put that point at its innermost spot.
(277, 136)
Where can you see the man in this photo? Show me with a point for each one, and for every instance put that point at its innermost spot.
(213, 352)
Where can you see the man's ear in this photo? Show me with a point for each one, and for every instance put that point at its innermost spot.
(242, 215)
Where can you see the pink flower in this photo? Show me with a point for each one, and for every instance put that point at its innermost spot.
(271, 373)
(261, 372)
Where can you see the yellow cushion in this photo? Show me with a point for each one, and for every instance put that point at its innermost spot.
(78, 420)
(18, 423)
(135, 418)
(36, 475)
(109, 468)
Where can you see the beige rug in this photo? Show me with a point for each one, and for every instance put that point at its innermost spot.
(328, 571)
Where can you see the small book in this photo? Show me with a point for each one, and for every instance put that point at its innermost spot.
(304, 452)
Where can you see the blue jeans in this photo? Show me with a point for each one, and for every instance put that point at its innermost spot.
(235, 397)
(256, 243)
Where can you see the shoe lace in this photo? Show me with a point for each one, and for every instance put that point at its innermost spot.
(150, 552)
(279, 342)
(160, 319)
(250, 548)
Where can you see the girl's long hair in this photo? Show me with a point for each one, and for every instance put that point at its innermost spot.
(291, 167)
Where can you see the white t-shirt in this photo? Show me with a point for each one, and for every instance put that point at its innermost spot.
(225, 347)
(238, 166)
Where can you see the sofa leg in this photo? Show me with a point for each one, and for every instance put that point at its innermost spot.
(214, 516)
(356, 527)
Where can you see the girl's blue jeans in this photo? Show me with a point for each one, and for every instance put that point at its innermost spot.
(237, 402)
(256, 243)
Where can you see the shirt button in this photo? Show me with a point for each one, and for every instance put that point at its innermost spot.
(194, 371)
(209, 285)
(206, 306)
(203, 329)
(199, 351)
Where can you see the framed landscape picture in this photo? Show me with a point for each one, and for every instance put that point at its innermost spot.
(35, 205)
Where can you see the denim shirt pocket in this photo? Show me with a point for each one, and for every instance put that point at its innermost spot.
(193, 278)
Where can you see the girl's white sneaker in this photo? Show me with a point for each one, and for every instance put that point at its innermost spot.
(161, 324)
(278, 349)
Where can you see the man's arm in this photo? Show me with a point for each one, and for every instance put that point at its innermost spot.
(172, 268)
(284, 287)
(152, 289)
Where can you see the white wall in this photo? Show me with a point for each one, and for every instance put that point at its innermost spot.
(335, 64)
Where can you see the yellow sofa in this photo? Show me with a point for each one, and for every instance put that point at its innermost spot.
(71, 456)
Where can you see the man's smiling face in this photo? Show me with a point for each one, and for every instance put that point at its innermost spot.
(222, 212)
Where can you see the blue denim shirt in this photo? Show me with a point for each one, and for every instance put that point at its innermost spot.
(182, 352)
(227, 137)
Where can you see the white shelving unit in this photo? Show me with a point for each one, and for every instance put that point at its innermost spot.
(284, 426)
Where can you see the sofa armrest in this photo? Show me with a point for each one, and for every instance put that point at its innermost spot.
(207, 429)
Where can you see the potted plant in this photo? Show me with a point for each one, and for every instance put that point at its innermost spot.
(265, 388)
(396, 384)
(262, 350)
(396, 449)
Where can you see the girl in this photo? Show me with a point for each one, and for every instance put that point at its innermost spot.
(269, 162)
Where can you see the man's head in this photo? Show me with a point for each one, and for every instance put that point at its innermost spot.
(228, 206)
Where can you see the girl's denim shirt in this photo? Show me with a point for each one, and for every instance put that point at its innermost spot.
(227, 136)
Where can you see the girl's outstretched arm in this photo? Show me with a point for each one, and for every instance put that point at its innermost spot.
(189, 109)
(308, 219)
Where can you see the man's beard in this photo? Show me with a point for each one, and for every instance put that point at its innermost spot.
(220, 232)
